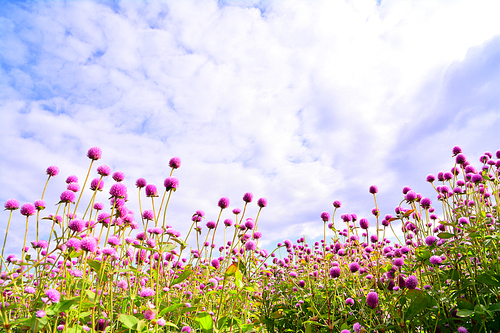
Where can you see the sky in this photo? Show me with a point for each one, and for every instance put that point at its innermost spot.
(300, 102)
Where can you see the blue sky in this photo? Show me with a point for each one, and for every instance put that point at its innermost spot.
(301, 102)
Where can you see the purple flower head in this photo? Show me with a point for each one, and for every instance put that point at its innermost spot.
(460, 159)
(356, 328)
(325, 216)
(40, 205)
(174, 163)
(67, 196)
(372, 299)
(104, 170)
(236, 211)
(113, 240)
(151, 190)
(456, 150)
(373, 189)
(72, 179)
(462, 329)
(148, 214)
(364, 224)
(411, 282)
(40, 314)
(334, 272)
(118, 190)
(223, 202)
(349, 301)
(149, 314)
(429, 240)
(118, 176)
(250, 245)
(76, 225)
(52, 171)
(398, 262)
(425, 203)
(375, 212)
(28, 209)
(11, 204)
(262, 202)
(436, 260)
(29, 290)
(53, 295)
(247, 197)
(215, 263)
(210, 224)
(302, 283)
(346, 217)
(431, 178)
(354, 267)
(337, 204)
(73, 187)
(476, 178)
(186, 329)
(249, 223)
(96, 184)
(74, 243)
(94, 153)
(228, 222)
(410, 196)
(104, 218)
(88, 244)
(146, 292)
(257, 235)
(171, 183)
(140, 183)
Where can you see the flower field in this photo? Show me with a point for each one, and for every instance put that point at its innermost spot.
(105, 269)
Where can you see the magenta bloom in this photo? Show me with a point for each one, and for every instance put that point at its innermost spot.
(228, 222)
(462, 329)
(28, 209)
(456, 150)
(248, 197)
(372, 299)
(174, 162)
(262, 202)
(210, 224)
(104, 170)
(52, 171)
(425, 203)
(72, 179)
(436, 260)
(186, 329)
(11, 204)
(249, 223)
(250, 246)
(94, 153)
(364, 224)
(88, 244)
(74, 243)
(98, 206)
(410, 195)
(118, 176)
(171, 183)
(146, 292)
(354, 267)
(411, 282)
(96, 184)
(373, 189)
(461, 159)
(118, 190)
(140, 183)
(53, 295)
(76, 225)
(325, 216)
(215, 263)
(149, 315)
(223, 202)
(73, 187)
(335, 272)
(67, 196)
(151, 190)
(429, 240)
(40, 314)
(148, 215)
(337, 204)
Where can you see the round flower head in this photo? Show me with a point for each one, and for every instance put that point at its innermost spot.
(325, 216)
(28, 209)
(74, 243)
(247, 197)
(354, 267)
(151, 191)
(436, 260)
(250, 246)
(410, 195)
(72, 179)
(148, 214)
(456, 150)
(52, 171)
(174, 162)
(171, 183)
(149, 314)
(223, 202)
(425, 203)
(118, 176)
(337, 204)
(257, 235)
(476, 178)
(40, 314)
(411, 282)
(364, 224)
(462, 329)
(262, 202)
(98, 206)
(76, 225)
(210, 224)
(146, 292)
(345, 331)
(140, 183)
(249, 224)
(373, 189)
(73, 187)
(398, 262)
(67, 196)
(335, 272)
(460, 159)
(228, 222)
(88, 244)
(186, 329)
(372, 299)
(104, 170)
(430, 240)
(53, 295)
(96, 184)
(215, 263)
(118, 190)
(11, 204)
(94, 153)
(236, 211)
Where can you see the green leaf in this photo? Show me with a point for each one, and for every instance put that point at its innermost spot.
(445, 235)
(62, 306)
(422, 253)
(231, 270)
(494, 307)
(170, 308)
(420, 301)
(465, 304)
(206, 322)
(182, 277)
(128, 321)
(488, 279)
(91, 295)
(95, 265)
(464, 312)
(238, 279)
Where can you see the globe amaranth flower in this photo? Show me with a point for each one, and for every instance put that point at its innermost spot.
(257, 235)
(11, 204)
(114, 240)
(210, 224)
(334, 272)
(262, 202)
(354, 267)
(364, 224)
(373, 189)
(73, 187)
(149, 314)
(186, 329)
(148, 214)
(337, 204)
(146, 292)
(215, 263)
(372, 299)
(250, 245)
(118, 176)
(151, 190)
(228, 222)
(248, 197)
(476, 178)
(425, 203)
(74, 243)
(174, 162)
(430, 240)
(96, 184)
(28, 209)
(67, 196)
(349, 301)
(118, 190)
(76, 225)
(40, 314)
(94, 153)
(52, 171)
(223, 202)
(411, 196)
(104, 170)
(249, 223)
(436, 260)
(325, 216)
(140, 183)
(411, 282)
(53, 295)
(88, 244)
(171, 183)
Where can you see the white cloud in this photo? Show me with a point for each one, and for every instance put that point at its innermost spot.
(300, 102)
